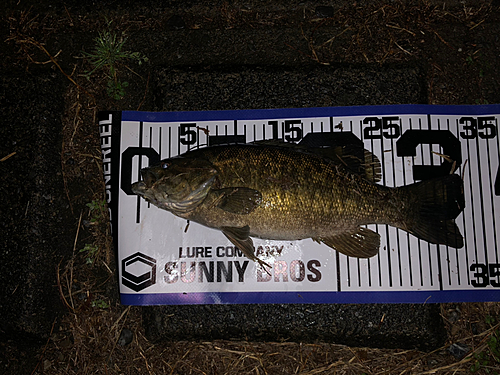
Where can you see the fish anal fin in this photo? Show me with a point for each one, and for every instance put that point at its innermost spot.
(360, 243)
(238, 200)
(240, 238)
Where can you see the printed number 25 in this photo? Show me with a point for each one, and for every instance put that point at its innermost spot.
(376, 125)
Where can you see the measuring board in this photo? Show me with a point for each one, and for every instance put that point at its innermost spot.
(161, 263)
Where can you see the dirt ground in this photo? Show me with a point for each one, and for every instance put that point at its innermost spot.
(458, 49)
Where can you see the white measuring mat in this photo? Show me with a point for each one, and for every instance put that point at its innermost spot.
(160, 262)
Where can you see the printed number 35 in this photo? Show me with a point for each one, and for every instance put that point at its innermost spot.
(483, 277)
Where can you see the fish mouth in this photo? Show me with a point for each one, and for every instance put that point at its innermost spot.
(139, 188)
(148, 177)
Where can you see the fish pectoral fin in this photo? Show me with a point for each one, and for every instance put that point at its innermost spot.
(240, 238)
(361, 243)
(237, 200)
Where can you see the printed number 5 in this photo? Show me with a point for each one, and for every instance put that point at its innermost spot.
(187, 135)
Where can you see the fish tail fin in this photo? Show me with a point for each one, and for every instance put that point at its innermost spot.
(436, 203)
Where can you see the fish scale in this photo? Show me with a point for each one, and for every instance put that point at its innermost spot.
(313, 197)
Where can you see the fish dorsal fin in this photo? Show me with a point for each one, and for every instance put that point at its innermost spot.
(280, 143)
(269, 142)
(360, 243)
(353, 157)
(373, 168)
(237, 200)
(240, 237)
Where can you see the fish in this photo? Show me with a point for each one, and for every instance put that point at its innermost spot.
(281, 191)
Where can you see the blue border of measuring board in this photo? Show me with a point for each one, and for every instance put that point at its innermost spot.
(413, 296)
(258, 114)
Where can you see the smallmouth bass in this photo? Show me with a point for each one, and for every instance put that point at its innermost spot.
(283, 192)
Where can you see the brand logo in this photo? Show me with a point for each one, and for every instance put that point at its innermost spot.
(138, 271)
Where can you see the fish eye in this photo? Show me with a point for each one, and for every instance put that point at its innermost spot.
(164, 165)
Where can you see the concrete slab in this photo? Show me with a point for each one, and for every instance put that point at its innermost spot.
(284, 87)
(387, 326)
(382, 326)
